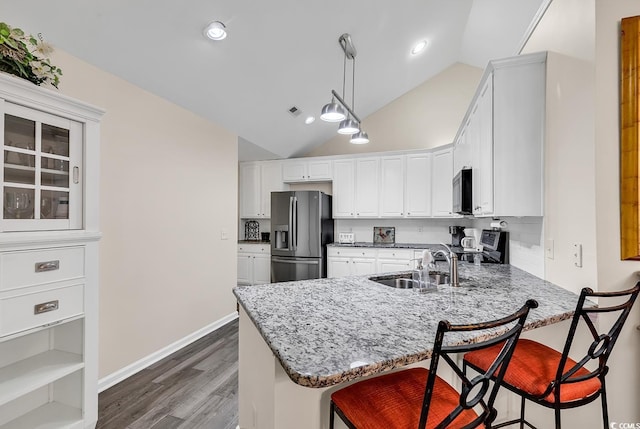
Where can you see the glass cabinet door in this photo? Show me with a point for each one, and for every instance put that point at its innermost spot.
(41, 187)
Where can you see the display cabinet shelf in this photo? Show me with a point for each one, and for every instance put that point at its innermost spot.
(30, 374)
(52, 415)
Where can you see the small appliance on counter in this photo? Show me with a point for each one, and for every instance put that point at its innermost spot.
(457, 234)
(252, 230)
(471, 240)
(495, 246)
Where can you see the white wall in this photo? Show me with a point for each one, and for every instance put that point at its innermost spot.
(582, 175)
(425, 117)
(165, 197)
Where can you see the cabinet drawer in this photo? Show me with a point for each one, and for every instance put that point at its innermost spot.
(22, 312)
(351, 252)
(19, 269)
(264, 249)
(404, 254)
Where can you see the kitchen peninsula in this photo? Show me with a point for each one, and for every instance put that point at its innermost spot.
(299, 341)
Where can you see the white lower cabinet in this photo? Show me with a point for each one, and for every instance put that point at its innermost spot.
(254, 264)
(390, 260)
(349, 261)
(48, 336)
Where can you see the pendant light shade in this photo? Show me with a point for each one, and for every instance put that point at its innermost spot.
(333, 112)
(359, 138)
(340, 111)
(348, 126)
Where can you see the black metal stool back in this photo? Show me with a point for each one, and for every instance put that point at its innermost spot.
(474, 391)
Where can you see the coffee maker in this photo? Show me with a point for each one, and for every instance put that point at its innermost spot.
(457, 234)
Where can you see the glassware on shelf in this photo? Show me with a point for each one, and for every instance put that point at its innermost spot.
(19, 204)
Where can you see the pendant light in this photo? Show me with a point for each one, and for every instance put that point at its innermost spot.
(340, 111)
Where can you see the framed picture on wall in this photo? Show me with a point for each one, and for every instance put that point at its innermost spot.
(384, 235)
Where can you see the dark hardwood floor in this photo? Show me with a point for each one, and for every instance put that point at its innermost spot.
(195, 387)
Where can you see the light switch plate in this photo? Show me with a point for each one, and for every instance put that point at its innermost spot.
(346, 237)
(548, 249)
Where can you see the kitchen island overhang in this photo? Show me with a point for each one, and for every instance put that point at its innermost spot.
(326, 332)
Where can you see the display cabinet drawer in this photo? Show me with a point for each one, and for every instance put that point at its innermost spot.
(403, 254)
(22, 312)
(29, 268)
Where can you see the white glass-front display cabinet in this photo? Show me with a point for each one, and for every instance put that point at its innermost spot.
(41, 180)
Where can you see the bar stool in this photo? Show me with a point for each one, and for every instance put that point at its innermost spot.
(552, 379)
(418, 398)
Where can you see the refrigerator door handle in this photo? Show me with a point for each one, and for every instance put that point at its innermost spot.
(294, 234)
(295, 261)
(290, 243)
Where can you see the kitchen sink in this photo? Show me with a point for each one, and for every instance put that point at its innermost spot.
(404, 281)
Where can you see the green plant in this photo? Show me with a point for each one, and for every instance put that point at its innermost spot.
(27, 57)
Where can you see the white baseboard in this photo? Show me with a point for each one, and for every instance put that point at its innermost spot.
(126, 372)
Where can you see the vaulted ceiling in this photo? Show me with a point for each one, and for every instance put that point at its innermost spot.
(278, 54)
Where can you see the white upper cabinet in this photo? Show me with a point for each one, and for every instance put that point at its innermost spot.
(42, 170)
(367, 192)
(442, 183)
(257, 181)
(344, 188)
(481, 128)
(301, 170)
(503, 132)
(392, 179)
(519, 88)
(417, 197)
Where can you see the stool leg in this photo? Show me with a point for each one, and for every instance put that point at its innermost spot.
(522, 412)
(605, 411)
(558, 423)
(332, 410)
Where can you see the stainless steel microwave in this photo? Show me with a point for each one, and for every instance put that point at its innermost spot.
(462, 192)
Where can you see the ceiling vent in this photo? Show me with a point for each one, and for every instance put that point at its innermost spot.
(294, 111)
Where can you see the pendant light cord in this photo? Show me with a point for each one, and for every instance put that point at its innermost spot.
(353, 85)
(344, 73)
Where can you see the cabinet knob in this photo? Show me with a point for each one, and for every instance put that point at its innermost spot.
(408, 213)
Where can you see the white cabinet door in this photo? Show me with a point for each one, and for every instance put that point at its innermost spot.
(442, 183)
(343, 189)
(245, 268)
(392, 178)
(305, 171)
(261, 269)
(363, 266)
(391, 265)
(519, 112)
(483, 165)
(462, 151)
(294, 171)
(367, 187)
(250, 190)
(319, 170)
(417, 195)
(338, 267)
(271, 181)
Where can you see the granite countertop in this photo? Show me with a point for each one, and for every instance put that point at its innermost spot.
(253, 242)
(387, 246)
(328, 331)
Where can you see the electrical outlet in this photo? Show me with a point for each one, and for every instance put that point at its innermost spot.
(420, 229)
(224, 235)
(577, 255)
(548, 249)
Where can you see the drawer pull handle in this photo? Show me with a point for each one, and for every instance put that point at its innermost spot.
(45, 307)
(47, 266)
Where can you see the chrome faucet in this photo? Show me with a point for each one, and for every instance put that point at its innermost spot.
(452, 260)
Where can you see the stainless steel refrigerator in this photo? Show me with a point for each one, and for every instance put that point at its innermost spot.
(301, 227)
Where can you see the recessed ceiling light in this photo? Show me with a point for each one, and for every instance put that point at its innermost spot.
(309, 120)
(419, 47)
(215, 31)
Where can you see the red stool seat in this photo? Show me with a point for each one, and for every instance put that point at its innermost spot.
(395, 400)
(533, 367)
